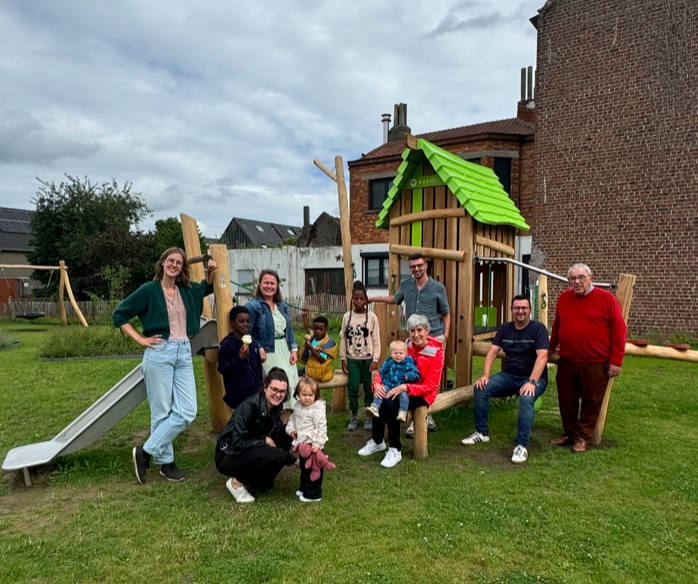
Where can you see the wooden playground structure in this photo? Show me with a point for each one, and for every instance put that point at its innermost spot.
(457, 215)
(63, 286)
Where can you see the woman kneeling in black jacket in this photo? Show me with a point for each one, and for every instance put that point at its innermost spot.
(254, 446)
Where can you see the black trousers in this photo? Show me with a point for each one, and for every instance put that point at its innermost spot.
(310, 489)
(255, 468)
(388, 417)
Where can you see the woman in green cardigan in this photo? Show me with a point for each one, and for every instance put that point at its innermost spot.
(169, 309)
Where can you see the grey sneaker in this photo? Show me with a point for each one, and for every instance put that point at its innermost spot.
(368, 424)
(140, 464)
(172, 473)
(431, 424)
(409, 433)
(402, 416)
(353, 424)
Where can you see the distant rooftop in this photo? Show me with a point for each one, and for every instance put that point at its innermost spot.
(15, 229)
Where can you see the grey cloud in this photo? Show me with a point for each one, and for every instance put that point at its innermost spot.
(452, 23)
(24, 139)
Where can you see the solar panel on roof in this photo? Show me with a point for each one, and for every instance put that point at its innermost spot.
(6, 226)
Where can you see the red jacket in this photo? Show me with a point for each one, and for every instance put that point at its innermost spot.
(430, 362)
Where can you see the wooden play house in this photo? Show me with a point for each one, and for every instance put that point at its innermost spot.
(452, 212)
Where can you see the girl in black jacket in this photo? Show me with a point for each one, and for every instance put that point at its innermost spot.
(254, 446)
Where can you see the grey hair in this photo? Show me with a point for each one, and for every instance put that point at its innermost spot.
(579, 267)
(416, 320)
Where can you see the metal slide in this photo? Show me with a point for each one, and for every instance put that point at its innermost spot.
(101, 416)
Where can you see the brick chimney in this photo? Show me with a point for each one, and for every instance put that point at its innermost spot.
(400, 127)
(526, 108)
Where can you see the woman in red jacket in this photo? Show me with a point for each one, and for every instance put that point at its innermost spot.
(429, 355)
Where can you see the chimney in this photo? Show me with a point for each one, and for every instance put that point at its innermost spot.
(386, 127)
(526, 108)
(306, 216)
(400, 127)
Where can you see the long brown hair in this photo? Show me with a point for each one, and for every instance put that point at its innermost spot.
(183, 278)
(258, 292)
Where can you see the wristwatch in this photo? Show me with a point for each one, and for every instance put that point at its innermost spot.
(533, 381)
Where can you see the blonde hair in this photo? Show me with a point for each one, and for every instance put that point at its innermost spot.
(309, 383)
(398, 345)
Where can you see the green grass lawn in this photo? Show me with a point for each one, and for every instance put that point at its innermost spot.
(625, 512)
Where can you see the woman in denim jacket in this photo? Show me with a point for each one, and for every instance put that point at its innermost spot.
(270, 326)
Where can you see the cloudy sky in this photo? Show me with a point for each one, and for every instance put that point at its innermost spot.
(217, 108)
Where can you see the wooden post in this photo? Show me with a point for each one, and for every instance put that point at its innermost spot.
(543, 299)
(73, 303)
(338, 177)
(61, 299)
(339, 399)
(419, 418)
(217, 408)
(625, 298)
(381, 310)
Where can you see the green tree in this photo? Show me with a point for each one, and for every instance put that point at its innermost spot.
(168, 233)
(91, 227)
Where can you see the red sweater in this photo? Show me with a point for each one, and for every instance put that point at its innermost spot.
(430, 362)
(589, 329)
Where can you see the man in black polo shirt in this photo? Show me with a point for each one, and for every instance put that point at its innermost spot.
(526, 345)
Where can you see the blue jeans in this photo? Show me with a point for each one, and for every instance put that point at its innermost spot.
(403, 398)
(169, 380)
(503, 384)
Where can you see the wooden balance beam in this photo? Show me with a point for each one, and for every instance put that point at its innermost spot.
(338, 385)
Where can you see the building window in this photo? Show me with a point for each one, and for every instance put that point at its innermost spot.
(246, 282)
(502, 168)
(324, 281)
(377, 192)
(376, 271)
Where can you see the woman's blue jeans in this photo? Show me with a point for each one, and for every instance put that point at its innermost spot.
(169, 379)
(503, 384)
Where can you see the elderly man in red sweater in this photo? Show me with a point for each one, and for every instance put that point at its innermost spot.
(591, 333)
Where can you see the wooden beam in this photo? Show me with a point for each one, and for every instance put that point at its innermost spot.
(29, 267)
(345, 228)
(324, 169)
(61, 294)
(429, 252)
(626, 284)
(219, 412)
(411, 142)
(446, 399)
(427, 215)
(494, 245)
(73, 303)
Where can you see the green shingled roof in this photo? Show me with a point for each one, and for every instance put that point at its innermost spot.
(476, 187)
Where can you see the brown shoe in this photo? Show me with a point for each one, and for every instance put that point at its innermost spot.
(563, 440)
(580, 445)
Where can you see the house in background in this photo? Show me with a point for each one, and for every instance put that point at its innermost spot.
(15, 233)
(505, 146)
(246, 233)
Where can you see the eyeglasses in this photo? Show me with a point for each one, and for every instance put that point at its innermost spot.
(171, 262)
(581, 278)
(518, 308)
(418, 267)
(276, 391)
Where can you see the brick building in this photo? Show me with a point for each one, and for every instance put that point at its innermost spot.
(616, 182)
(506, 146)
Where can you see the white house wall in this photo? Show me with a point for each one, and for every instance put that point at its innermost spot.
(291, 262)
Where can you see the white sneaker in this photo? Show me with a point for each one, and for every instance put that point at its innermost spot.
(304, 500)
(402, 416)
(474, 438)
(520, 455)
(372, 411)
(241, 494)
(431, 424)
(391, 458)
(371, 448)
(409, 433)
(299, 493)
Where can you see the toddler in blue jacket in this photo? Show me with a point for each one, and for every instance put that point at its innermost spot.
(397, 369)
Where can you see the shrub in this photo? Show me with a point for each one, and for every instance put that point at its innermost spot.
(88, 342)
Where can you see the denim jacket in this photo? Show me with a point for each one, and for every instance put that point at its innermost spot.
(262, 324)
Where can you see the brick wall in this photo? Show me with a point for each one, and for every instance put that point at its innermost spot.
(616, 183)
